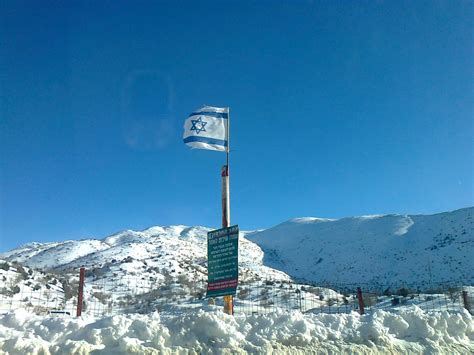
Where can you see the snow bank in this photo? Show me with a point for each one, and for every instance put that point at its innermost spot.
(411, 330)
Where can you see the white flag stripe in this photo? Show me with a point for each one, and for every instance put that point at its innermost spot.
(214, 127)
(201, 145)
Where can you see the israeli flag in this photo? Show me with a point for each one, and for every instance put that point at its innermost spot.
(206, 128)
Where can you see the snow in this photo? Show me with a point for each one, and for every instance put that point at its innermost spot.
(211, 331)
(382, 249)
(160, 267)
(170, 244)
(375, 249)
(21, 287)
(163, 269)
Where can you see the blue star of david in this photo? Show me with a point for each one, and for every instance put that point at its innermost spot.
(198, 125)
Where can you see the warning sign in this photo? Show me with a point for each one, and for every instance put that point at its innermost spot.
(222, 261)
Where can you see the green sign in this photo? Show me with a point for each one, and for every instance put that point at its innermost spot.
(222, 261)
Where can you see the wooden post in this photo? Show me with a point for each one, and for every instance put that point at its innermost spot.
(80, 291)
(228, 300)
(361, 301)
(465, 300)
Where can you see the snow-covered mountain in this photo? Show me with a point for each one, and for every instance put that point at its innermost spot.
(164, 269)
(166, 266)
(154, 253)
(383, 249)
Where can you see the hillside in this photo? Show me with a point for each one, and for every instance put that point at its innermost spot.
(170, 250)
(384, 249)
(157, 268)
(169, 263)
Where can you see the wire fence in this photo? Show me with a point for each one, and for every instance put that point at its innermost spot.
(137, 294)
(36, 292)
(268, 296)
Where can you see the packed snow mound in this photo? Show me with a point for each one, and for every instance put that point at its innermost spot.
(212, 331)
(380, 249)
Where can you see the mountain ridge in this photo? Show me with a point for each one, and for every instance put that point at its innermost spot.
(369, 249)
(401, 248)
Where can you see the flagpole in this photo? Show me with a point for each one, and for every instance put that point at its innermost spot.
(228, 167)
(226, 181)
(228, 300)
(228, 137)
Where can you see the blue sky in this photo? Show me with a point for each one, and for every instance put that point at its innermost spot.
(337, 109)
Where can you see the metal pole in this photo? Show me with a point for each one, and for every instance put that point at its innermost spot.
(225, 197)
(361, 301)
(80, 291)
(228, 300)
(228, 138)
(465, 299)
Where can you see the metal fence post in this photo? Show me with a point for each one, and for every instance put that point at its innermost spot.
(80, 291)
(361, 301)
(465, 301)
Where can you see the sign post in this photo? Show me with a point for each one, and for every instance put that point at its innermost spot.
(228, 299)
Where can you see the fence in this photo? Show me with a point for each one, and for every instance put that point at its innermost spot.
(105, 296)
(268, 296)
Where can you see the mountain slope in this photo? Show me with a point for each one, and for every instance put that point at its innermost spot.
(165, 268)
(384, 249)
(159, 250)
(157, 268)
(388, 249)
